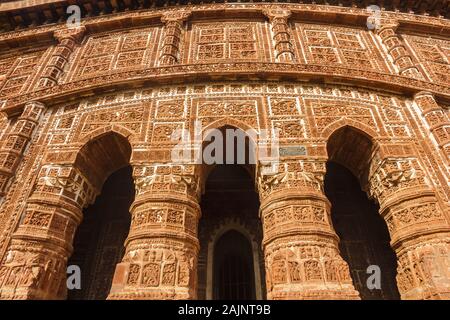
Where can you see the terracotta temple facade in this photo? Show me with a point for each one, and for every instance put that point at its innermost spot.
(87, 176)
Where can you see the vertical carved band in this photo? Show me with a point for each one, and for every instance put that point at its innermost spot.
(437, 121)
(281, 34)
(17, 141)
(395, 47)
(173, 29)
(162, 247)
(67, 40)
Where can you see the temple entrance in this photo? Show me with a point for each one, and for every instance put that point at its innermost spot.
(233, 268)
(230, 260)
(98, 243)
(364, 236)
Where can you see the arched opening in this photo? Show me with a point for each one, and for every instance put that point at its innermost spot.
(230, 198)
(233, 268)
(228, 145)
(99, 240)
(363, 232)
(98, 243)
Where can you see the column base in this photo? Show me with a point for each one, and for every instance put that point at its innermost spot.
(27, 294)
(152, 294)
(314, 292)
(156, 274)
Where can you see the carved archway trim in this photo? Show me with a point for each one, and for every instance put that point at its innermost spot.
(112, 128)
(356, 125)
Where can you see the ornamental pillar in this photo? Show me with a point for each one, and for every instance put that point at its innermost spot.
(281, 35)
(162, 248)
(400, 55)
(436, 120)
(12, 150)
(302, 257)
(417, 223)
(173, 30)
(34, 266)
(67, 41)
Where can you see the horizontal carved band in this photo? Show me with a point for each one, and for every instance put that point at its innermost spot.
(174, 74)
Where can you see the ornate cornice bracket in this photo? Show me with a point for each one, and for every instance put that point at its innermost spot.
(76, 34)
(277, 13)
(177, 16)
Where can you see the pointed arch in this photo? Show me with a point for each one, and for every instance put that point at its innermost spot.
(345, 122)
(229, 122)
(352, 148)
(112, 128)
(103, 153)
(250, 144)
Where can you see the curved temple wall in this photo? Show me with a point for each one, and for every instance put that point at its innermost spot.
(306, 70)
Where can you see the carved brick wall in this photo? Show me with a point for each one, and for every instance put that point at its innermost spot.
(150, 73)
(433, 54)
(116, 51)
(336, 45)
(17, 73)
(233, 40)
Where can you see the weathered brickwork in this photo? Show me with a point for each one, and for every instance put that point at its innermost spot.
(78, 104)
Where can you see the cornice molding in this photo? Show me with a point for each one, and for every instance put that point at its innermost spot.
(302, 12)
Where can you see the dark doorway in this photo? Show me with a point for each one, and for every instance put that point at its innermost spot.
(99, 240)
(363, 233)
(230, 198)
(233, 268)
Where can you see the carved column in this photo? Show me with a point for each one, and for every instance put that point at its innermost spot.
(300, 246)
(17, 141)
(281, 34)
(160, 261)
(400, 55)
(34, 266)
(420, 232)
(173, 29)
(436, 119)
(67, 41)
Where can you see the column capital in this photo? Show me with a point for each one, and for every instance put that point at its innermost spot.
(290, 177)
(35, 103)
(179, 180)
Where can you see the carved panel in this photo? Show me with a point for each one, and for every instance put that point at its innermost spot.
(212, 42)
(116, 51)
(335, 45)
(16, 73)
(434, 55)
